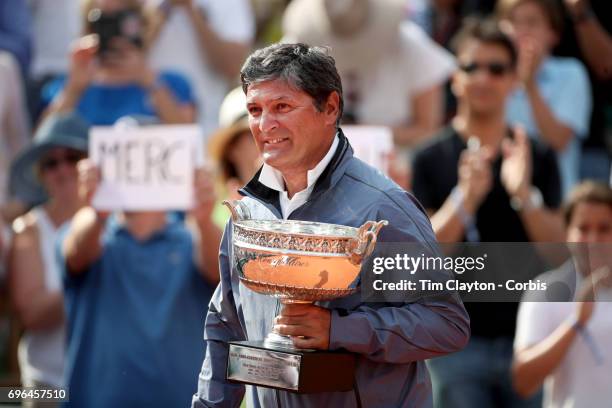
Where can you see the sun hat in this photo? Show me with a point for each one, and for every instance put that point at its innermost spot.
(233, 120)
(313, 21)
(67, 130)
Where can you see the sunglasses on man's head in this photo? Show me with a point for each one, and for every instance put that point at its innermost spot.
(53, 162)
(497, 69)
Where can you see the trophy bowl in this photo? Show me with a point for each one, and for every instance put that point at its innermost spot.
(298, 261)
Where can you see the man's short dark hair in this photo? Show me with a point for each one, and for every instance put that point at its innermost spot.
(589, 191)
(486, 31)
(310, 69)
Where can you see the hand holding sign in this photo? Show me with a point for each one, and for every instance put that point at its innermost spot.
(89, 178)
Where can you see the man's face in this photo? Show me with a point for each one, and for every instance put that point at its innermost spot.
(591, 224)
(291, 134)
(529, 21)
(485, 77)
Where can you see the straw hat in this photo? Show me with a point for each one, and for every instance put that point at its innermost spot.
(233, 120)
(61, 130)
(359, 32)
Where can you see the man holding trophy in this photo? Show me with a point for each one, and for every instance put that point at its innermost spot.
(309, 180)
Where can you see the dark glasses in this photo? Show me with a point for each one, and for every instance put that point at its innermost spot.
(496, 69)
(53, 162)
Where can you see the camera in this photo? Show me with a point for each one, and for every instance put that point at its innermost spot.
(121, 24)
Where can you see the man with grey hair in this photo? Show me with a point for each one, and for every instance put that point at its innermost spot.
(294, 101)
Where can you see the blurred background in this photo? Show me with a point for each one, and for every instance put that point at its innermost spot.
(402, 67)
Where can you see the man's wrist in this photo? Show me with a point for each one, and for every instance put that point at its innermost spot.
(165, 8)
(573, 321)
(461, 198)
(466, 216)
(72, 93)
(205, 222)
(150, 80)
(531, 87)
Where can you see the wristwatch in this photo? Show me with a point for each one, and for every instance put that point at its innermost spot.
(533, 201)
(584, 14)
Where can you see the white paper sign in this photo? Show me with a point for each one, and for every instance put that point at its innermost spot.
(147, 168)
(371, 144)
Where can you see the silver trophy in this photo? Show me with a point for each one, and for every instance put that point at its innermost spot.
(298, 262)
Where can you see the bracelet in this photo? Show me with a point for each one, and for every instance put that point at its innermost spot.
(468, 221)
(533, 201)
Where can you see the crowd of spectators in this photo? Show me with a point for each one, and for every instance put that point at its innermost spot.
(501, 109)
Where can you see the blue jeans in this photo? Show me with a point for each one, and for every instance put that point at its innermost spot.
(477, 377)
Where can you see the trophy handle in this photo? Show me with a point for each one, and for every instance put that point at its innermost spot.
(239, 210)
(366, 240)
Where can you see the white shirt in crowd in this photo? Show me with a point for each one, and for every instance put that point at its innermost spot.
(177, 48)
(41, 353)
(580, 380)
(386, 90)
(55, 25)
(272, 178)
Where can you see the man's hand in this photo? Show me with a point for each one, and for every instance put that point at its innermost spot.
(204, 196)
(82, 64)
(576, 6)
(516, 166)
(307, 324)
(89, 178)
(475, 177)
(530, 54)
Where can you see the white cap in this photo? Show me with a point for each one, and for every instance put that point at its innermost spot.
(233, 108)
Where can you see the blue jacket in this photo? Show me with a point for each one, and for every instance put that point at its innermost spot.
(391, 340)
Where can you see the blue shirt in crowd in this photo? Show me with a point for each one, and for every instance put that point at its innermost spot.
(16, 31)
(103, 105)
(135, 322)
(564, 85)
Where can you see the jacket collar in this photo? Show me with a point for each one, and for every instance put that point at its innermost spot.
(330, 176)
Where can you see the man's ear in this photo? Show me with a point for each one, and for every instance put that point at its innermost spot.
(332, 108)
(454, 85)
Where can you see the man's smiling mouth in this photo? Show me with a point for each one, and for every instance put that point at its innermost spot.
(276, 141)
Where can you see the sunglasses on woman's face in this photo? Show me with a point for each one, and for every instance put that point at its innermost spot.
(51, 163)
(496, 69)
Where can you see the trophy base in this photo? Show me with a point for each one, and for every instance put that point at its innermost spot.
(290, 369)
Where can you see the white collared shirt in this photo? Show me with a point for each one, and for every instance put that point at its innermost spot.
(272, 178)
